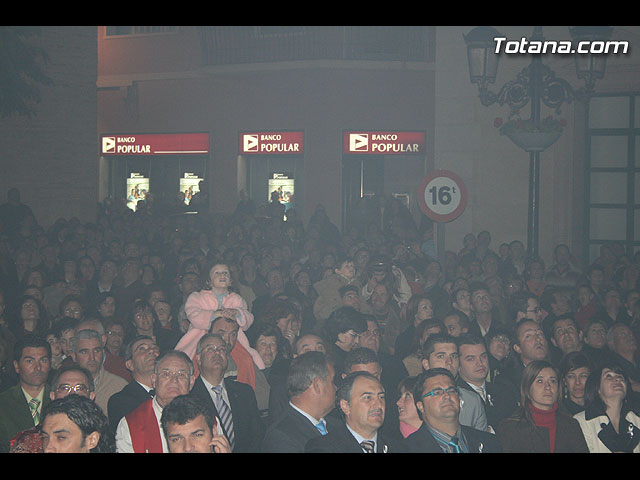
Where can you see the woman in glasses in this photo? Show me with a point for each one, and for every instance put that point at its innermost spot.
(539, 426)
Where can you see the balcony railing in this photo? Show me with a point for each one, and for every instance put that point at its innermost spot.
(226, 45)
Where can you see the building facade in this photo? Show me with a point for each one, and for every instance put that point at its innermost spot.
(325, 115)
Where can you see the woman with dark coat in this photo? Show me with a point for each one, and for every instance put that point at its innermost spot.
(538, 426)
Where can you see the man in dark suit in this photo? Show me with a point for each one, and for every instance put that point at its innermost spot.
(233, 402)
(438, 401)
(140, 356)
(529, 344)
(312, 394)
(32, 363)
(361, 400)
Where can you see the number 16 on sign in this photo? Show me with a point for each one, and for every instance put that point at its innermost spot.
(442, 196)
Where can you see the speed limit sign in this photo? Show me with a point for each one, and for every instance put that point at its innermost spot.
(442, 196)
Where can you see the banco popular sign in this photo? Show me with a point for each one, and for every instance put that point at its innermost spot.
(385, 143)
(155, 144)
(272, 143)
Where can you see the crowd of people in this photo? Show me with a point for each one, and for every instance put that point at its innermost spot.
(167, 331)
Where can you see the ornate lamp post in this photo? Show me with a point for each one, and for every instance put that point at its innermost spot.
(536, 84)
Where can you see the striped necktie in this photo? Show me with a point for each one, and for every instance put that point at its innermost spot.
(225, 415)
(483, 394)
(34, 403)
(367, 446)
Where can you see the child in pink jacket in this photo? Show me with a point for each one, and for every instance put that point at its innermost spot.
(204, 306)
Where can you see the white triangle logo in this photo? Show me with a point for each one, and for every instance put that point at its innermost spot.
(250, 143)
(108, 144)
(359, 142)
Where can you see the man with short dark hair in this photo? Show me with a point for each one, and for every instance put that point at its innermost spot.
(562, 273)
(329, 297)
(190, 427)
(566, 337)
(75, 424)
(21, 405)
(140, 356)
(441, 351)
(474, 368)
(68, 380)
(438, 400)
(312, 392)
(530, 344)
(482, 308)
(525, 305)
(361, 400)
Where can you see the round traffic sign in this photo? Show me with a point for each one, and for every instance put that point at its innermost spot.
(442, 196)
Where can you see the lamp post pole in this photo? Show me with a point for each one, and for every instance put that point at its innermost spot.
(536, 84)
(534, 156)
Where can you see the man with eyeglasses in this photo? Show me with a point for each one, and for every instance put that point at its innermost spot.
(140, 431)
(140, 356)
(437, 399)
(70, 379)
(441, 351)
(526, 305)
(233, 402)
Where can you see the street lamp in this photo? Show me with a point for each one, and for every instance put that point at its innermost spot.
(536, 84)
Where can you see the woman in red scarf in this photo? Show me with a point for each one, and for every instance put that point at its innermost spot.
(539, 426)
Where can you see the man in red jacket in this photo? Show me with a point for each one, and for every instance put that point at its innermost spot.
(140, 430)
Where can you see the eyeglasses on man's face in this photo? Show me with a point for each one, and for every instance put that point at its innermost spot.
(180, 375)
(79, 388)
(440, 392)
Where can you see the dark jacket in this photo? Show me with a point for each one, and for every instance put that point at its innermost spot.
(291, 432)
(247, 427)
(340, 440)
(125, 401)
(519, 435)
(15, 415)
(422, 441)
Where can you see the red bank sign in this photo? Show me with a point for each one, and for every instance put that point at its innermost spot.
(385, 143)
(155, 144)
(272, 143)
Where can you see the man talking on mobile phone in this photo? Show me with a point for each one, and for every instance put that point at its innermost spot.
(190, 427)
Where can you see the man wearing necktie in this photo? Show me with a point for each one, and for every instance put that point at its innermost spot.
(312, 393)
(361, 400)
(233, 402)
(21, 405)
(438, 400)
(474, 367)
